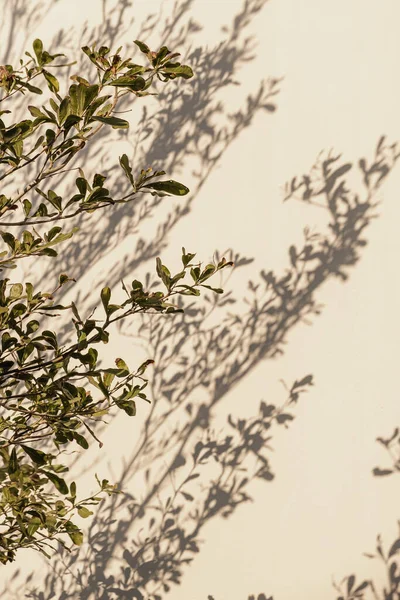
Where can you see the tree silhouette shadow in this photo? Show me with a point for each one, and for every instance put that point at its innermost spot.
(190, 123)
(139, 546)
(189, 470)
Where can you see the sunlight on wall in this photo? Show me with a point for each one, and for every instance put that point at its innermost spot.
(336, 63)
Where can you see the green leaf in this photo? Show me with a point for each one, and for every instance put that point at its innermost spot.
(216, 290)
(89, 93)
(32, 326)
(98, 180)
(63, 278)
(81, 96)
(16, 291)
(136, 84)
(179, 71)
(52, 81)
(41, 211)
(31, 88)
(29, 294)
(27, 206)
(122, 366)
(94, 105)
(207, 272)
(115, 122)
(8, 238)
(13, 465)
(75, 312)
(161, 54)
(97, 194)
(188, 290)
(129, 406)
(108, 378)
(38, 457)
(187, 257)
(124, 162)
(195, 273)
(142, 46)
(177, 277)
(55, 200)
(50, 137)
(28, 238)
(70, 121)
(49, 252)
(84, 512)
(18, 310)
(38, 49)
(103, 50)
(53, 232)
(159, 266)
(82, 441)
(89, 53)
(58, 482)
(170, 187)
(105, 297)
(37, 113)
(163, 272)
(18, 131)
(76, 537)
(82, 185)
(65, 108)
(54, 105)
(33, 526)
(134, 70)
(60, 238)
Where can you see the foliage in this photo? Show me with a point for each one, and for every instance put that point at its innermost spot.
(54, 393)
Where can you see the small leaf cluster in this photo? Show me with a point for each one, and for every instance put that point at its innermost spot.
(61, 128)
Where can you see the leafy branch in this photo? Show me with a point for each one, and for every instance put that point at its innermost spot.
(52, 394)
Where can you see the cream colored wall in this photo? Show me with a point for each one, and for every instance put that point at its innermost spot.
(340, 90)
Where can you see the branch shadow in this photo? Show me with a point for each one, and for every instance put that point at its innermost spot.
(388, 555)
(19, 16)
(185, 125)
(139, 546)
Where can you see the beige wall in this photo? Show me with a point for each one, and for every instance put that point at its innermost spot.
(339, 63)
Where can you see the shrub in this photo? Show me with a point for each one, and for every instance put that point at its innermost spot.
(53, 393)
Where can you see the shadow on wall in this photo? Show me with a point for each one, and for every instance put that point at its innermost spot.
(139, 546)
(351, 588)
(19, 17)
(191, 124)
(187, 470)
